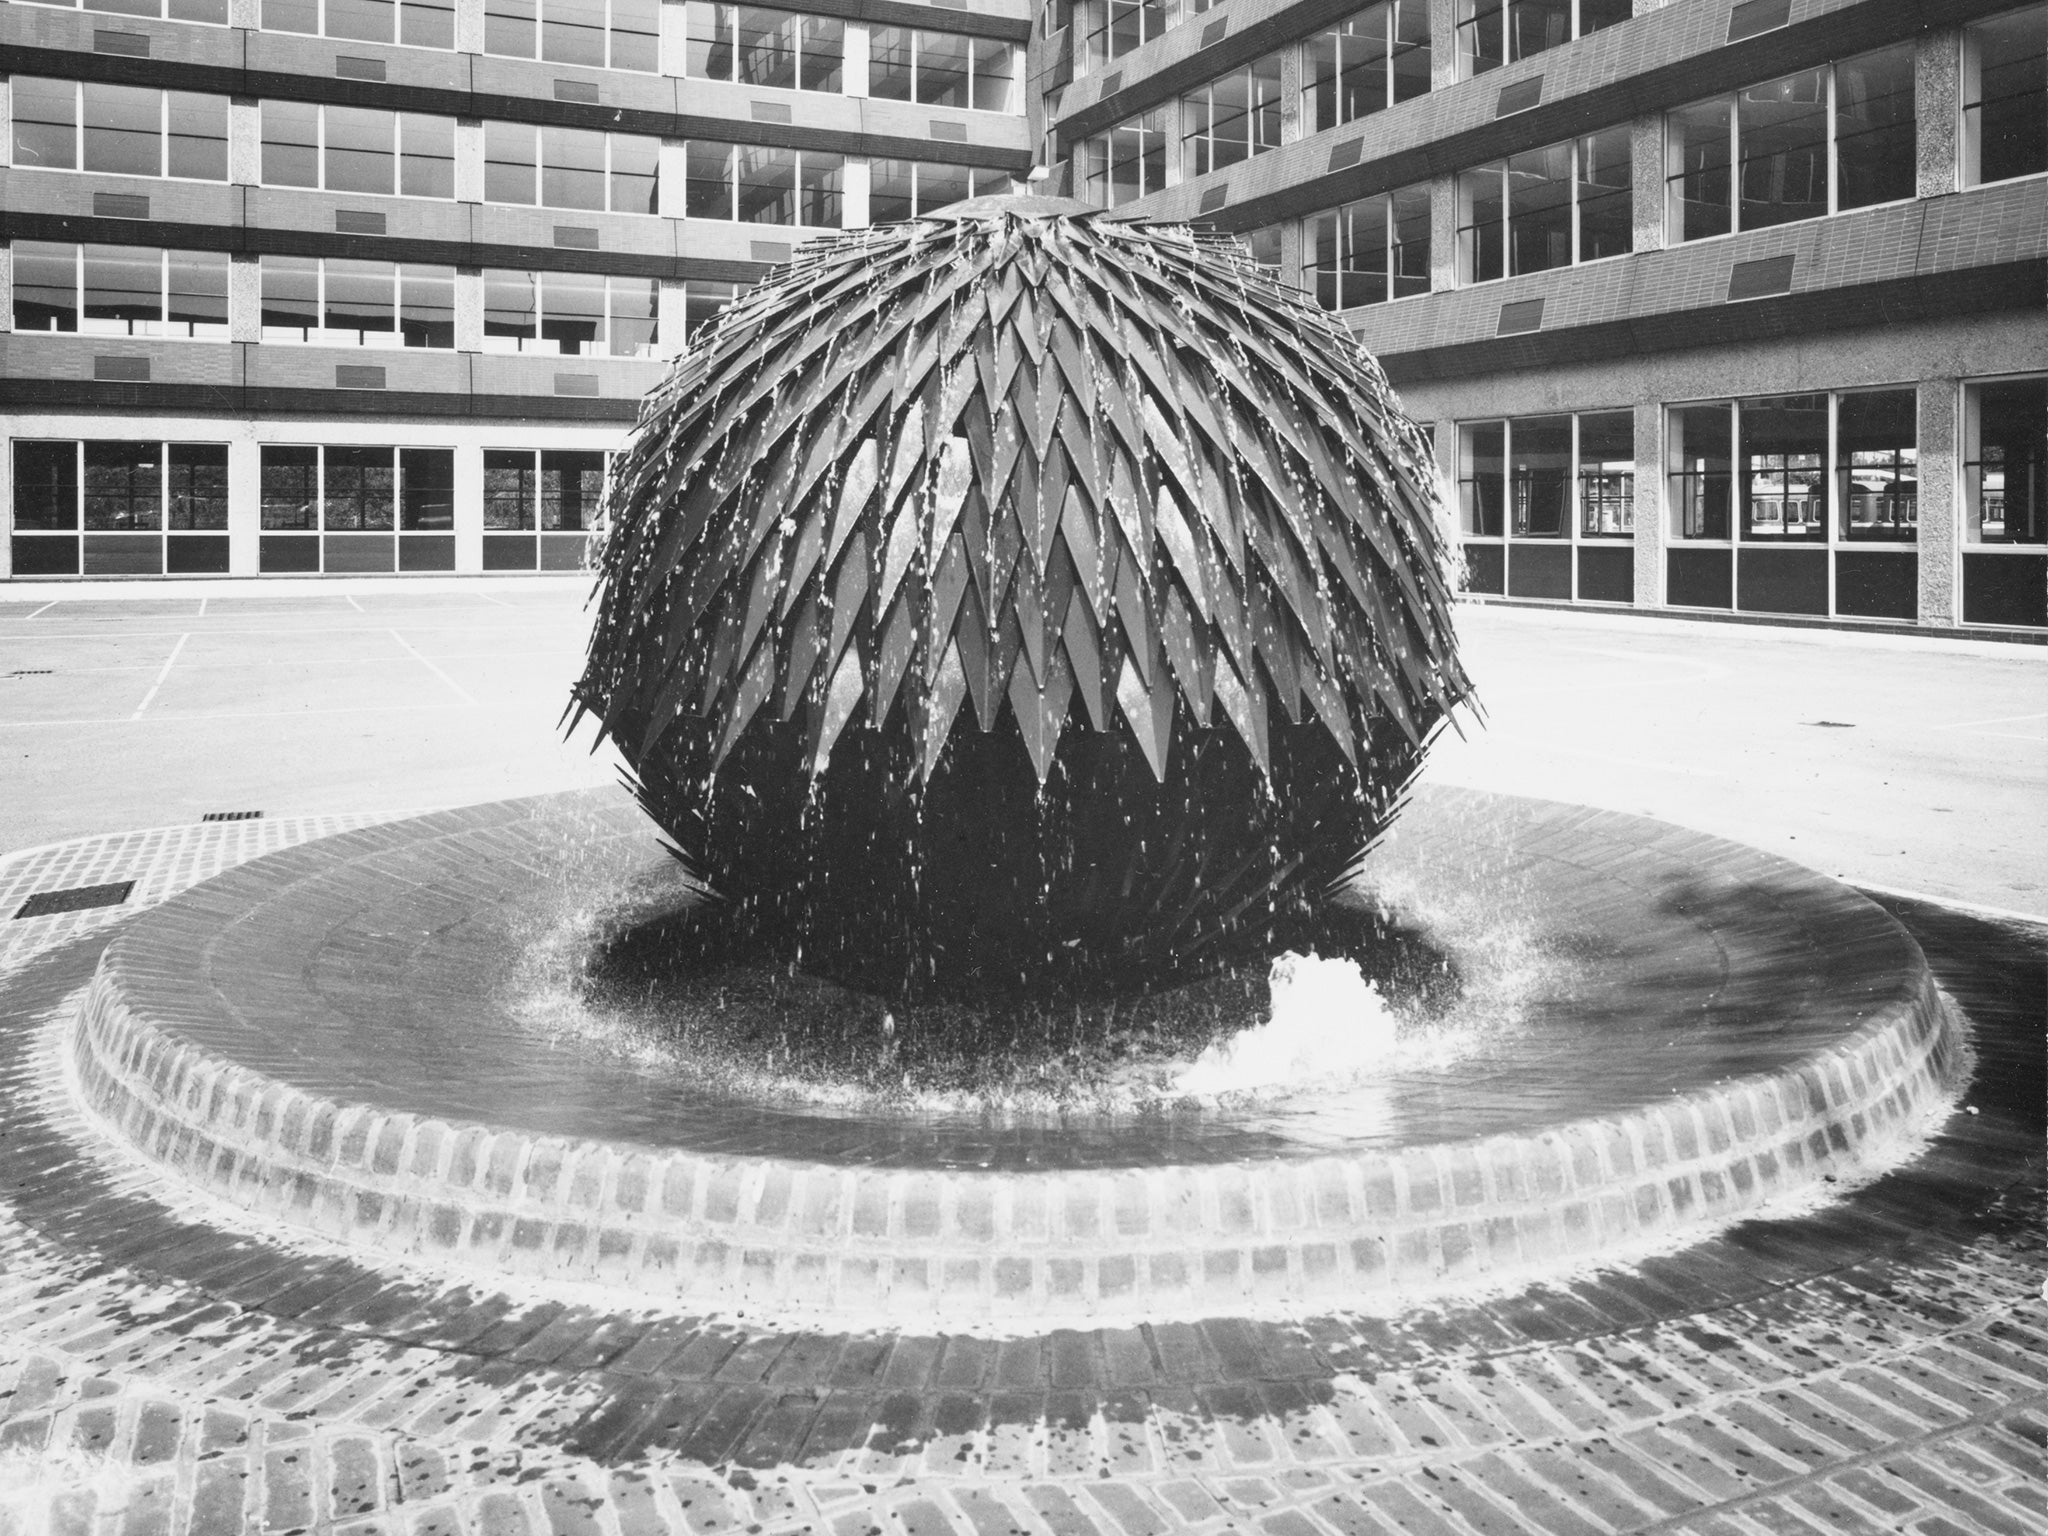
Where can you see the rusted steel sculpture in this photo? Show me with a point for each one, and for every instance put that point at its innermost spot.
(1020, 597)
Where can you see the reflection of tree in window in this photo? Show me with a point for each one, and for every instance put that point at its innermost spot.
(123, 486)
(426, 490)
(510, 477)
(198, 487)
(571, 485)
(45, 487)
(289, 483)
(360, 491)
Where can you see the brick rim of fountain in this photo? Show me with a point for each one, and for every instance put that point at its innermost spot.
(780, 1235)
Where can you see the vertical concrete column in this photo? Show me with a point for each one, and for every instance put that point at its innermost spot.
(469, 506)
(245, 13)
(672, 318)
(671, 178)
(1649, 504)
(245, 300)
(675, 38)
(469, 25)
(854, 80)
(1940, 432)
(1937, 111)
(6, 288)
(1443, 234)
(469, 309)
(1443, 43)
(1290, 250)
(469, 160)
(245, 503)
(855, 183)
(1646, 177)
(245, 142)
(6, 121)
(1294, 116)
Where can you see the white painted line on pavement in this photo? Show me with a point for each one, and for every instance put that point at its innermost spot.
(1933, 900)
(461, 692)
(169, 661)
(202, 606)
(359, 608)
(1971, 725)
(42, 610)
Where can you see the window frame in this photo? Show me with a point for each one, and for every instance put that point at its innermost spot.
(79, 128)
(323, 149)
(162, 328)
(1261, 117)
(401, 11)
(614, 179)
(802, 175)
(1469, 231)
(604, 342)
(1335, 37)
(540, 25)
(1312, 272)
(1969, 137)
(1466, 20)
(324, 335)
(1969, 522)
(192, 557)
(198, 13)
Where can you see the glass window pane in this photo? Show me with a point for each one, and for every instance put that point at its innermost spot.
(891, 51)
(1607, 475)
(426, 490)
(2005, 479)
(196, 296)
(426, 305)
(571, 485)
(1781, 131)
(943, 64)
(822, 55)
(572, 313)
(427, 161)
(2006, 106)
(1700, 184)
(1482, 42)
(1409, 259)
(123, 290)
(124, 487)
(427, 24)
(1410, 63)
(767, 47)
(199, 136)
(369, 21)
(1878, 459)
(710, 42)
(822, 187)
(291, 144)
(511, 309)
(45, 486)
(571, 168)
(508, 163)
(361, 152)
(1540, 209)
(766, 184)
(511, 28)
(939, 186)
(1702, 448)
(572, 32)
(995, 76)
(892, 191)
(123, 129)
(1784, 458)
(635, 168)
(291, 296)
(1541, 450)
(636, 35)
(45, 286)
(1606, 203)
(289, 476)
(1482, 225)
(360, 492)
(511, 478)
(708, 180)
(292, 16)
(704, 302)
(1482, 477)
(198, 487)
(45, 123)
(362, 296)
(1874, 150)
(634, 322)
(1535, 26)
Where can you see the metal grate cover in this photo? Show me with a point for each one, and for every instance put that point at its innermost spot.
(232, 816)
(77, 898)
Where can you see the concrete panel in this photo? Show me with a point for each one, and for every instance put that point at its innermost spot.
(289, 53)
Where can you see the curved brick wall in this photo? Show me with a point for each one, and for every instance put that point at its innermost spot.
(770, 1230)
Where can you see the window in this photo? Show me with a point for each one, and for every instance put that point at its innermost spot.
(908, 189)
(603, 34)
(1496, 32)
(1607, 475)
(557, 491)
(1759, 470)
(1760, 157)
(123, 130)
(358, 149)
(570, 168)
(2005, 471)
(942, 69)
(1231, 119)
(1368, 63)
(1369, 251)
(755, 45)
(415, 23)
(210, 12)
(1877, 465)
(570, 314)
(331, 302)
(1547, 506)
(1265, 247)
(120, 290)
(2005, 96)
(1127, 162)
(143, 508)
(1109, 29)
(359, 495)
(757, 184)
(1546, 208)
(704, 302)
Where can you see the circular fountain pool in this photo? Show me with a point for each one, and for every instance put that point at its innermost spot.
(1655, 1031)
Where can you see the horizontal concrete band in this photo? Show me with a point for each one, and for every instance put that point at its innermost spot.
(1035, 1247)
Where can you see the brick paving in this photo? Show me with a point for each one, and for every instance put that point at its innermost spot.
(1877, 1365)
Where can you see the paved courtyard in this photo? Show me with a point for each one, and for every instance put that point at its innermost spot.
(1878, 1365)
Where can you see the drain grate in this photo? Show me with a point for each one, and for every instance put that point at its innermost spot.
(77, 898)
(30, 672)
(231, 816)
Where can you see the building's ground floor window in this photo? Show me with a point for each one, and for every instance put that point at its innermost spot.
(539, 506)
(2005, 501)
(1547, 506)
(348, 508)
(119, 507)
(1797, 504)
